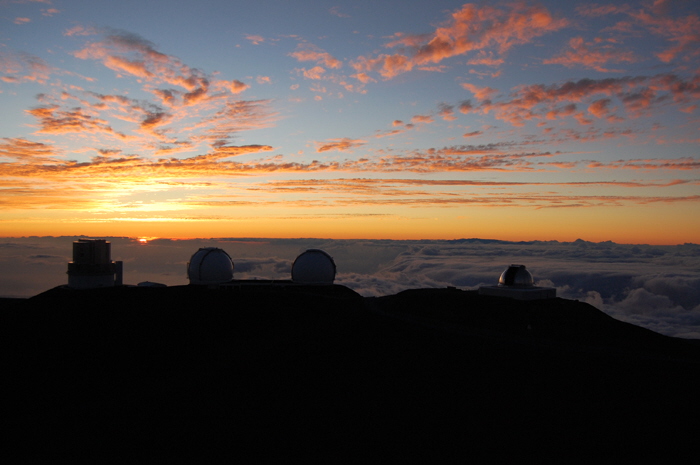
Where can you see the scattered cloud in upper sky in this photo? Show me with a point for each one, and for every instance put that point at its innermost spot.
(391, 119)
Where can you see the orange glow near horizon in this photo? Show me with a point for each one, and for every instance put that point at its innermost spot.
(618, 224)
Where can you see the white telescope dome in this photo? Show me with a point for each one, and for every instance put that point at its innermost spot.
(313, 267)
(516, 276)
(210, 265)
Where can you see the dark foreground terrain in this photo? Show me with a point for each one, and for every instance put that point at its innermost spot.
(279, 371)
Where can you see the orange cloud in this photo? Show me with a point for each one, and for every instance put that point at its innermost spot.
(481, 93)
(363, 78)
(343, 144)
(590, 133)
(471, 28)
(55, 121)
(231, 118)
(446, 112)
(255, 39)
(684, 32)
(314, 73)
(236, 86)
(683, 164)
(486, 59)
(23, 67)
(80, 31)
(227, 151)
(636, 94)
(426, 119)
(533, 201)
(132, 55)
(656, 18)
(189, 106)
(390, 133)
(324, 63)
(37, 177)
(466, 106)
(591, 55)
(561, 112)
(600, 108)
(24, 150)
(369, 186)
(307, 52)
(389, 192)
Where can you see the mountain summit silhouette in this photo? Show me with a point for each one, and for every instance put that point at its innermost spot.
(270, 369)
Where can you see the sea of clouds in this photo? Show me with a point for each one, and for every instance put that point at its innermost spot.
(657, 287)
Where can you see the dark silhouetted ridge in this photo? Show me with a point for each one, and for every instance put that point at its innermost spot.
(276, 370)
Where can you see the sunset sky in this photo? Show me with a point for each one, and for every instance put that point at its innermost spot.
(351, 119)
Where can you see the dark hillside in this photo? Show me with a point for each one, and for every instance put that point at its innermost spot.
(279, 370)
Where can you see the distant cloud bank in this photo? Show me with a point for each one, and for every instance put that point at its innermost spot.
(657, 287)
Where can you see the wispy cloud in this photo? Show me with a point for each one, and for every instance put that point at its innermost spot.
(681, 32)
(336, 11)
(309, 52)
(650, 164)
(635, 95)
(469, 29)
(374, 185)
(595, 55)
(255, 39)
(34, 166)
(188, 107)
(17, 67)
(53, 120)
(80, 30)
(343, 144)
(24, 150)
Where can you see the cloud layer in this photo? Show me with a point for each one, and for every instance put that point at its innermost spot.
(657, 287)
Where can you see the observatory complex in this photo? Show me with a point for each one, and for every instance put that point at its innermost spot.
(92, 267)
(516, 282)
(213, 266)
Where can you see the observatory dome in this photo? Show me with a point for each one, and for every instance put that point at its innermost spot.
(210, 265)
(313, 267)
(516, 276)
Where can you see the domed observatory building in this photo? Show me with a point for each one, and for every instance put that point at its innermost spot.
(210, 265)
(516, 282)
(313, 267)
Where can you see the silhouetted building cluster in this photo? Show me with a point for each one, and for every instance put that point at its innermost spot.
(92, 267)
